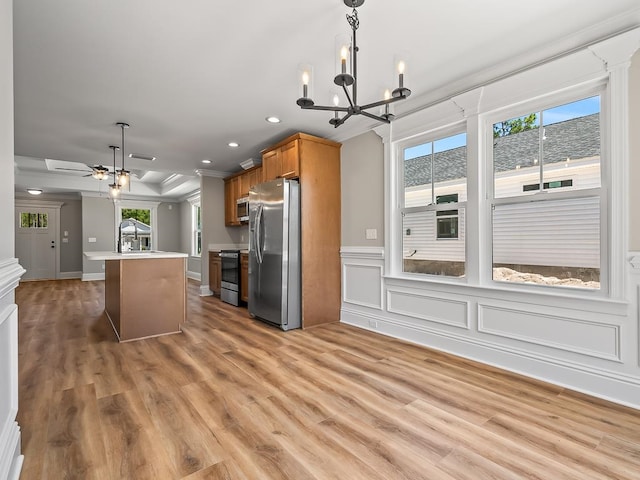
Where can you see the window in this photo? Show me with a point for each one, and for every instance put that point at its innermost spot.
(546, 207)
(34, 220)
(196, 229)
(434, 192)
(137, 223)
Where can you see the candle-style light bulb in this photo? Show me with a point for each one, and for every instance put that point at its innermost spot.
(343, 58)
(305, 83)
(387, 96)
(401, 67)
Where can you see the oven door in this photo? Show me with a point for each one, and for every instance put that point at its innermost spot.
(230, 270)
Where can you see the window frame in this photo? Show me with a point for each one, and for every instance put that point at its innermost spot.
(140, 205)
(195, 228)
(433, 135)
(537, 104)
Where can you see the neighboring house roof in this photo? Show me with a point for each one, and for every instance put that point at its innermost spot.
(130, 225)
(575, 138)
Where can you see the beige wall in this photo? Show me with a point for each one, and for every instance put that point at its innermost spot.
(98, 221)
(634, 154)
(362, 178)
(169, 228)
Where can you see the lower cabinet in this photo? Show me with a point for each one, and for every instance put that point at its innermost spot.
(215, 272)
(244, 277)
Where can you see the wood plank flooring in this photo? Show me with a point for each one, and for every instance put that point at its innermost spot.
(232, 398)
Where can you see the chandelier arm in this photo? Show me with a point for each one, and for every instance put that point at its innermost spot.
(346, 92)
(375, 117)
(327, 108)
(342, 120)
(382, 102)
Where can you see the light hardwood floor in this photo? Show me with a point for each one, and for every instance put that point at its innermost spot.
(232, 398)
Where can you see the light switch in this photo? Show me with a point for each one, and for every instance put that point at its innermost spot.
(371, 234)
(65, 240)
(66, 233)
(92, 239)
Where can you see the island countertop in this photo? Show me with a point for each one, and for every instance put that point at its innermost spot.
(135, 255)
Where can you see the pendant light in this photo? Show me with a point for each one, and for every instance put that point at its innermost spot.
(123, 175)
(114, 188)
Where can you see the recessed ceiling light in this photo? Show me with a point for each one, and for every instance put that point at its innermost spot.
(233, 144)
(206, 161)
(34, 191)
(272, 119)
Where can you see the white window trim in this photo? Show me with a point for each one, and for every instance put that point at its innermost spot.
(194, 201)
(606, 62)
(142, 205)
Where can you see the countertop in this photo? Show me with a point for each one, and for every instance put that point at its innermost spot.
(132, 255)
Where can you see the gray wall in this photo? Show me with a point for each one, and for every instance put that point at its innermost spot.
(169, 225)
(213, 229)
(71, 222)
(634, 153)
(362, 179)
(98, 221)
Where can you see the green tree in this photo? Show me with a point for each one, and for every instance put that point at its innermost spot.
(142, 215)
(515, 125)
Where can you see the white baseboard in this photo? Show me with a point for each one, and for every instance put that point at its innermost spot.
(608, 385)
(69, 275)
(90, 277)
(10, 455)
(204, 291)
(194, 276)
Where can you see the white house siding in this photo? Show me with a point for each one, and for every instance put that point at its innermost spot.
(423, 238)
(520, 231)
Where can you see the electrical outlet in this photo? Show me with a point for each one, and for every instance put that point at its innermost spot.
(92, 240)
(373, 324)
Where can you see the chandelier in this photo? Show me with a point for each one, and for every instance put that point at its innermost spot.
(114, 188)
(123, 175)
(346, 79)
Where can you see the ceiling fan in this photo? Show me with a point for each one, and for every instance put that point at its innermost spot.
(99, 172)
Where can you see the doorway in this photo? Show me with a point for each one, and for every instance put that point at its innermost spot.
(36, 246)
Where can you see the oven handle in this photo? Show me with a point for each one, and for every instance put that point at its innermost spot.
(258, 235)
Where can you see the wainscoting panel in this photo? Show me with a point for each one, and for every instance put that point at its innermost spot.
(425, 307)
(594, 339)
(362, 285)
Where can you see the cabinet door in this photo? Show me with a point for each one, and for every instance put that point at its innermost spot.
(255, 177)
(244, 277)
(271, 165)
(230, 196)
(290, 160)
(215, 272)
(244, 184)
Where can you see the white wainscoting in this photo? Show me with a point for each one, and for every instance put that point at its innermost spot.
(10, 453)
(585, 345)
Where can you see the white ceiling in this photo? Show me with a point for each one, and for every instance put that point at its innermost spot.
(191, 76)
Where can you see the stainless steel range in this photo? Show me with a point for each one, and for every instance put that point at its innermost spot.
(230, 286)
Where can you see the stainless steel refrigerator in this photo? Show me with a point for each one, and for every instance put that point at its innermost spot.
(274, 253)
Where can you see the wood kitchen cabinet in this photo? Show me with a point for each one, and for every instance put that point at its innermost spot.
(316, 163)
(282, 161)
(231, 189)
(244, 277)
(237, 186)
(215, 272)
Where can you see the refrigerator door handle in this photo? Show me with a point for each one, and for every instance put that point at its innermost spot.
(258, 235)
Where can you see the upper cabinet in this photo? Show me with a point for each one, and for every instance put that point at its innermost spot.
(282, 161)
(235, 187)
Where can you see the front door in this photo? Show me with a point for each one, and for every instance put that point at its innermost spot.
(36, 241)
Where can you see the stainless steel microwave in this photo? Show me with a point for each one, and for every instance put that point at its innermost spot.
(242, 209)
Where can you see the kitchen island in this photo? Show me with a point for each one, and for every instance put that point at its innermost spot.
(145, 293)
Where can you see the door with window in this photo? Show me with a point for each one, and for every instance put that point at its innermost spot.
(36, 241)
